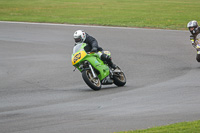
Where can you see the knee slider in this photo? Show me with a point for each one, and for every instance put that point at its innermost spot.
(103, 57)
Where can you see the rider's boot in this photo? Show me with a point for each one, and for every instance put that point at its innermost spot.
(108, 59)
(113, 66)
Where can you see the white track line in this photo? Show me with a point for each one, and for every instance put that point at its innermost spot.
(93, 26)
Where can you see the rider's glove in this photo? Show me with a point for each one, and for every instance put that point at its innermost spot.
(94, 49)
(192, 39)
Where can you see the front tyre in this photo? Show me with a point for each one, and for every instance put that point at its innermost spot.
(119, 78)
(93, 83)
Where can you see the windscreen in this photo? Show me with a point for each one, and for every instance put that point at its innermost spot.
(77, 47)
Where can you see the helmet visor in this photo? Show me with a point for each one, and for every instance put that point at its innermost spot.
(191, 28)
(77, 39)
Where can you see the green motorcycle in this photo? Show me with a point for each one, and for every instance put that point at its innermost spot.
(94, 71)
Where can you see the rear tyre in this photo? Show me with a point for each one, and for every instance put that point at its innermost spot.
(119, 78)
(93, 83)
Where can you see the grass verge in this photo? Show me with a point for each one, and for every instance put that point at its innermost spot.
(182, 127)
(165, 14)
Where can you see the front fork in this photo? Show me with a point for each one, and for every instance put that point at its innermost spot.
(94, 75)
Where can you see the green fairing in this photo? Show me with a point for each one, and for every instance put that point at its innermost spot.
(95, 61)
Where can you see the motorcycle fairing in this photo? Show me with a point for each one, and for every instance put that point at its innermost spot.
(78, 57)
(100, 66)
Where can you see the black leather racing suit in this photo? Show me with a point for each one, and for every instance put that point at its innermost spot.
(195, 39)
(92, 46)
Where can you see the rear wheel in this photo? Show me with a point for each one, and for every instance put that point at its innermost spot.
(119, 78)
(93, 83)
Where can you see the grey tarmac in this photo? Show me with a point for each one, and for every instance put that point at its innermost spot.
(40, 93)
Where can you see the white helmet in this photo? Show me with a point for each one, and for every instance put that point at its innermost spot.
(193, 24)
(79, 36)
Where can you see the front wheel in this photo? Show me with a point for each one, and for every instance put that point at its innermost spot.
(93, 83)
(119, 78)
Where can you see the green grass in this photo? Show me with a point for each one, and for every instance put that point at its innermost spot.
(183, 127)
(165, 14)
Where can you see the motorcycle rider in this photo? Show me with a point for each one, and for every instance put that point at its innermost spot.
(92, 46)
(195, 36)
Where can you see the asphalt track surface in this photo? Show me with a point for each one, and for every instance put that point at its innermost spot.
(40, 93)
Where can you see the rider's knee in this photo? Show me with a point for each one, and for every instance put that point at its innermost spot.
(105, 57)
